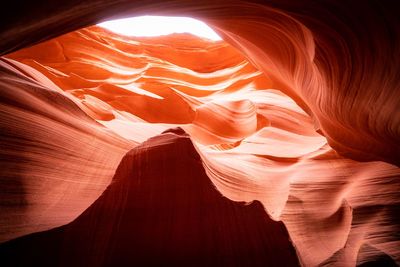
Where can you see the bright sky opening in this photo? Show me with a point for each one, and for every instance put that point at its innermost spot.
(158, 25)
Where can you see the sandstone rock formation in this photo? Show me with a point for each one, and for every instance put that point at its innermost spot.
(301, 115)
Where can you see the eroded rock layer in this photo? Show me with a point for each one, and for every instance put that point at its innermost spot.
(170, 216)
(300, 134)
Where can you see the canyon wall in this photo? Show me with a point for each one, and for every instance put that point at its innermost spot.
(298, 109)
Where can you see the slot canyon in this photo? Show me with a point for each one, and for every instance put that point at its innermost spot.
(278, 145)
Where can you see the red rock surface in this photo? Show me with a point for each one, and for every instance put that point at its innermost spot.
(171, 215)
(312, 133)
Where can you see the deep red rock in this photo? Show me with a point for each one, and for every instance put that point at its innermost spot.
(171, 215)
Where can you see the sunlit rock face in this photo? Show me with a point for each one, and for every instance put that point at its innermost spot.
(301, 133)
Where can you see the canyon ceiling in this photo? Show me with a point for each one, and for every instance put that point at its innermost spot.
(279, 145)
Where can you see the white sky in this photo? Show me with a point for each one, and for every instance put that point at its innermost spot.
(157, 25)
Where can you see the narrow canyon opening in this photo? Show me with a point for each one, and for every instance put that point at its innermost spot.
(135, 145)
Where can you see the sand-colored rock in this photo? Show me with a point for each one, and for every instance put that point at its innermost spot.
(312, 132)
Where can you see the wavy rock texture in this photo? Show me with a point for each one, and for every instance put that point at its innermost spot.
(192, 224)
(302, 135)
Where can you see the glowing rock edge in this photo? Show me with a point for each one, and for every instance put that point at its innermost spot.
(309, 134)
